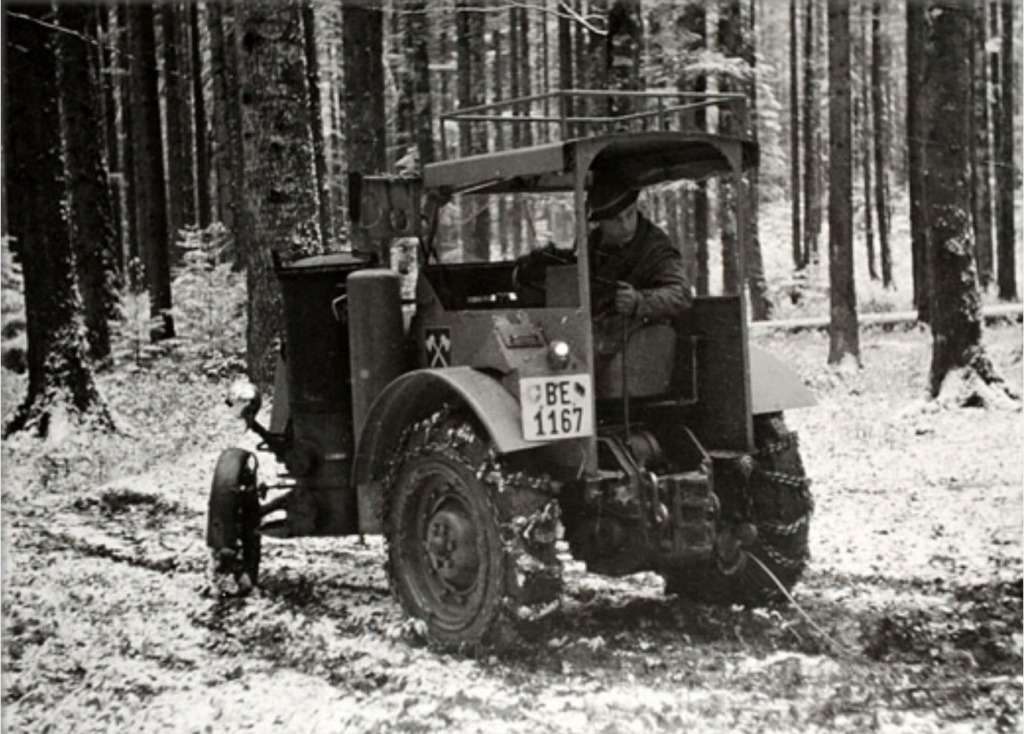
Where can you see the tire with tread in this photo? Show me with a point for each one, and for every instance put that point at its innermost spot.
(234, 507)
(780, 506)
(453, 521)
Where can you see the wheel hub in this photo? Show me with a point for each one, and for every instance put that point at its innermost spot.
(451, 546)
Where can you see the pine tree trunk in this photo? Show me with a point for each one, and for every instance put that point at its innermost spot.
(423, 106)
(916, 20)
(879, 83)
(694, 20)
(729, 29)
(280, 183)
(186, 115)
(583, 71)
(93, 237)
(794, 139)
(363, 94)
(981, 153)
(203, 199)
(150, 187)
(505, 230)
(178, 187)
(221, 159)
(1006, 170)
(623, 54)
(317, 124)
(844, 340)
(812, 136)
(108, 54)
(59, 378)
(946, 110)
(522, 39)
(761, 306)
(863, 109)
(565, 65)
(133, 258)
(475, 214)
(417, 122)
(510, 213)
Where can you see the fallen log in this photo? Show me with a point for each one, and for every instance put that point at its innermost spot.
(989, 313)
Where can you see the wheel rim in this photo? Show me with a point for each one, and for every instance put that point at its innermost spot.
(445, 550)
(451, 544)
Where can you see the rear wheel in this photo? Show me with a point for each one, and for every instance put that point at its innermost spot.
(778, 502)
(468, 543)
(232, 524)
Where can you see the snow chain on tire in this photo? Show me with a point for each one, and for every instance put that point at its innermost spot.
(528, 517)
(775, 496)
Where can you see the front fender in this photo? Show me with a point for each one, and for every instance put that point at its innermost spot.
(775, 387)
(413, 397)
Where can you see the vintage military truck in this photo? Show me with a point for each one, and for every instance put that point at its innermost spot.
(474, 426)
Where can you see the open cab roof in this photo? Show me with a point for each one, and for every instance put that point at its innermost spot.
(641, 158)
(663, 141)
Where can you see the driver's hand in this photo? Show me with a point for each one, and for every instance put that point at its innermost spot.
(626, 299)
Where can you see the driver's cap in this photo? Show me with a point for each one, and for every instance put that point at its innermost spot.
(609, 195)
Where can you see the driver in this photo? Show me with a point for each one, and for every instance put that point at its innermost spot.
(635, 270)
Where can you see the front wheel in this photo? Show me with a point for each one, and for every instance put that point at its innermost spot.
(232, 523)
(467, 543)
(778, 502)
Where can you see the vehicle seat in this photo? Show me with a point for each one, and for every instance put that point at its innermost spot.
(648, 361)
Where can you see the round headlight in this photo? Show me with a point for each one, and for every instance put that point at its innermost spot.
(244, 399)
(558, 355)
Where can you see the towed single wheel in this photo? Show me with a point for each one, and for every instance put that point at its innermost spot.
(468, 543)
(775, 498)
(232, 524)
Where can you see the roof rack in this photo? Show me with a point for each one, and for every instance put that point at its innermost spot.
(571, 114)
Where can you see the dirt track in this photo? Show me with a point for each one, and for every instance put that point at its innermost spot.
(916, 578)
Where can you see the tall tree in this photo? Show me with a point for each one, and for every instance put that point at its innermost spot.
(226, 171)
(472, 90)
(623, 54)
(955, 303)
(186, 115)
(108, 49)
(694, 20)
(761, 306)
(844, 340)
(203, 200)
(981, 151)
(1006, 168)
(131, 255)
(510, 216)
(150, 184)
(280, 184)
(880, 138)
(916, 36)
(59, 379)
(94, 238)
(862, 112)
(795, 199)
(415, 41)
(565, 60)
(363, 92)
(317, 122)
(812, 133)
(180, 189)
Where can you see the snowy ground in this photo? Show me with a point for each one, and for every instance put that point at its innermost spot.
(909, 618)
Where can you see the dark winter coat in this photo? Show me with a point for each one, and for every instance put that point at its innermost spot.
(650, 263)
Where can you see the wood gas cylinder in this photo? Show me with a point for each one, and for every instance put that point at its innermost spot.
(376, 337)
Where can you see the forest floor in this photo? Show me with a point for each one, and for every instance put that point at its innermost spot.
(908, 619)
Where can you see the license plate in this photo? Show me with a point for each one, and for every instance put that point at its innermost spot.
(556, 407)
